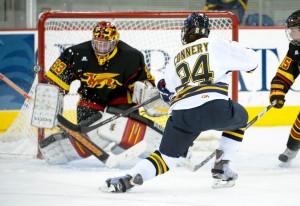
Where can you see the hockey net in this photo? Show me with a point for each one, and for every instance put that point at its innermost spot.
(156, 34)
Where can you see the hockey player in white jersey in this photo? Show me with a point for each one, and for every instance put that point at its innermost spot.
(196, 85)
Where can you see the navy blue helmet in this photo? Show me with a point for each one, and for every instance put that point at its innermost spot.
(195, 27)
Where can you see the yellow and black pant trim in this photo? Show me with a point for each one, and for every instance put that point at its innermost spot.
(236, 135)
(158, 162)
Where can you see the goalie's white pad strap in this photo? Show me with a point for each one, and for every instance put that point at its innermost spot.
(144, 91)
(48, 102)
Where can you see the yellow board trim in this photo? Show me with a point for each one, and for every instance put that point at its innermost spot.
(285, 116)
(275, 117)
(6, 119)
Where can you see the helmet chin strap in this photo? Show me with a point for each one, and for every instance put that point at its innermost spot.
(104, 58)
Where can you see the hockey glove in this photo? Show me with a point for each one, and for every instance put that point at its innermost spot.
(164, 93)
(278, 91)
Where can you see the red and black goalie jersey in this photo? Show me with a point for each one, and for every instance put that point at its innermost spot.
(103, 82)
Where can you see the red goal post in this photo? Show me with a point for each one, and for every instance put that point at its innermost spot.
(156, 34)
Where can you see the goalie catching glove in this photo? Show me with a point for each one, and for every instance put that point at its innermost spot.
(144, 91)
(278, 90)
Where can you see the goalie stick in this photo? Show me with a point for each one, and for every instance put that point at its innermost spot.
(86, 143)
(194, 167)
(83, 129)
(14, 86)
(110, 160)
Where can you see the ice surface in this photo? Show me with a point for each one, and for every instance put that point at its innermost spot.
(263, 181)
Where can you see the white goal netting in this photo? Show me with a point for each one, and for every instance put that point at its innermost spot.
(156, 34)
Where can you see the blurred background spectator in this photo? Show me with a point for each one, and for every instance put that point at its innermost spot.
(238, 7)
(24, 14)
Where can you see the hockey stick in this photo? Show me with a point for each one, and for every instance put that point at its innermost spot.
(86, 143)
(83, 129)
(15, 87)
(186, 163)
(110, 160)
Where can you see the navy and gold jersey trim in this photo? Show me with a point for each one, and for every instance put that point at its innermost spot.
(188, 91)
(236, 135)
(158, 162)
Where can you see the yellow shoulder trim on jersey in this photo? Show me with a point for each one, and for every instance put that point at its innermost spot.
(58, 81)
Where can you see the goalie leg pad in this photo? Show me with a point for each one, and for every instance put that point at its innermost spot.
(127, 132)
(58, 149)
(82, 152)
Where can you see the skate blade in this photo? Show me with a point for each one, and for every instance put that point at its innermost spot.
(218, 183)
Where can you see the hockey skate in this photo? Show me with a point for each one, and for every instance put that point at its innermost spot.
(288, 155)
(121, 184)
(222, 174)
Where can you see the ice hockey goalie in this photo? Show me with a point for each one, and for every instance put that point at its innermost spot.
(114, 137)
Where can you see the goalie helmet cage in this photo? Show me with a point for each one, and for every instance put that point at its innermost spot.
(156, 34)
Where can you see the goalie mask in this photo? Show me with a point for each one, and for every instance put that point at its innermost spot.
(105, 38)
(293, 28)
(195, 27)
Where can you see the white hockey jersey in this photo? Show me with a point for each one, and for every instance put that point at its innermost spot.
(198, 72)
